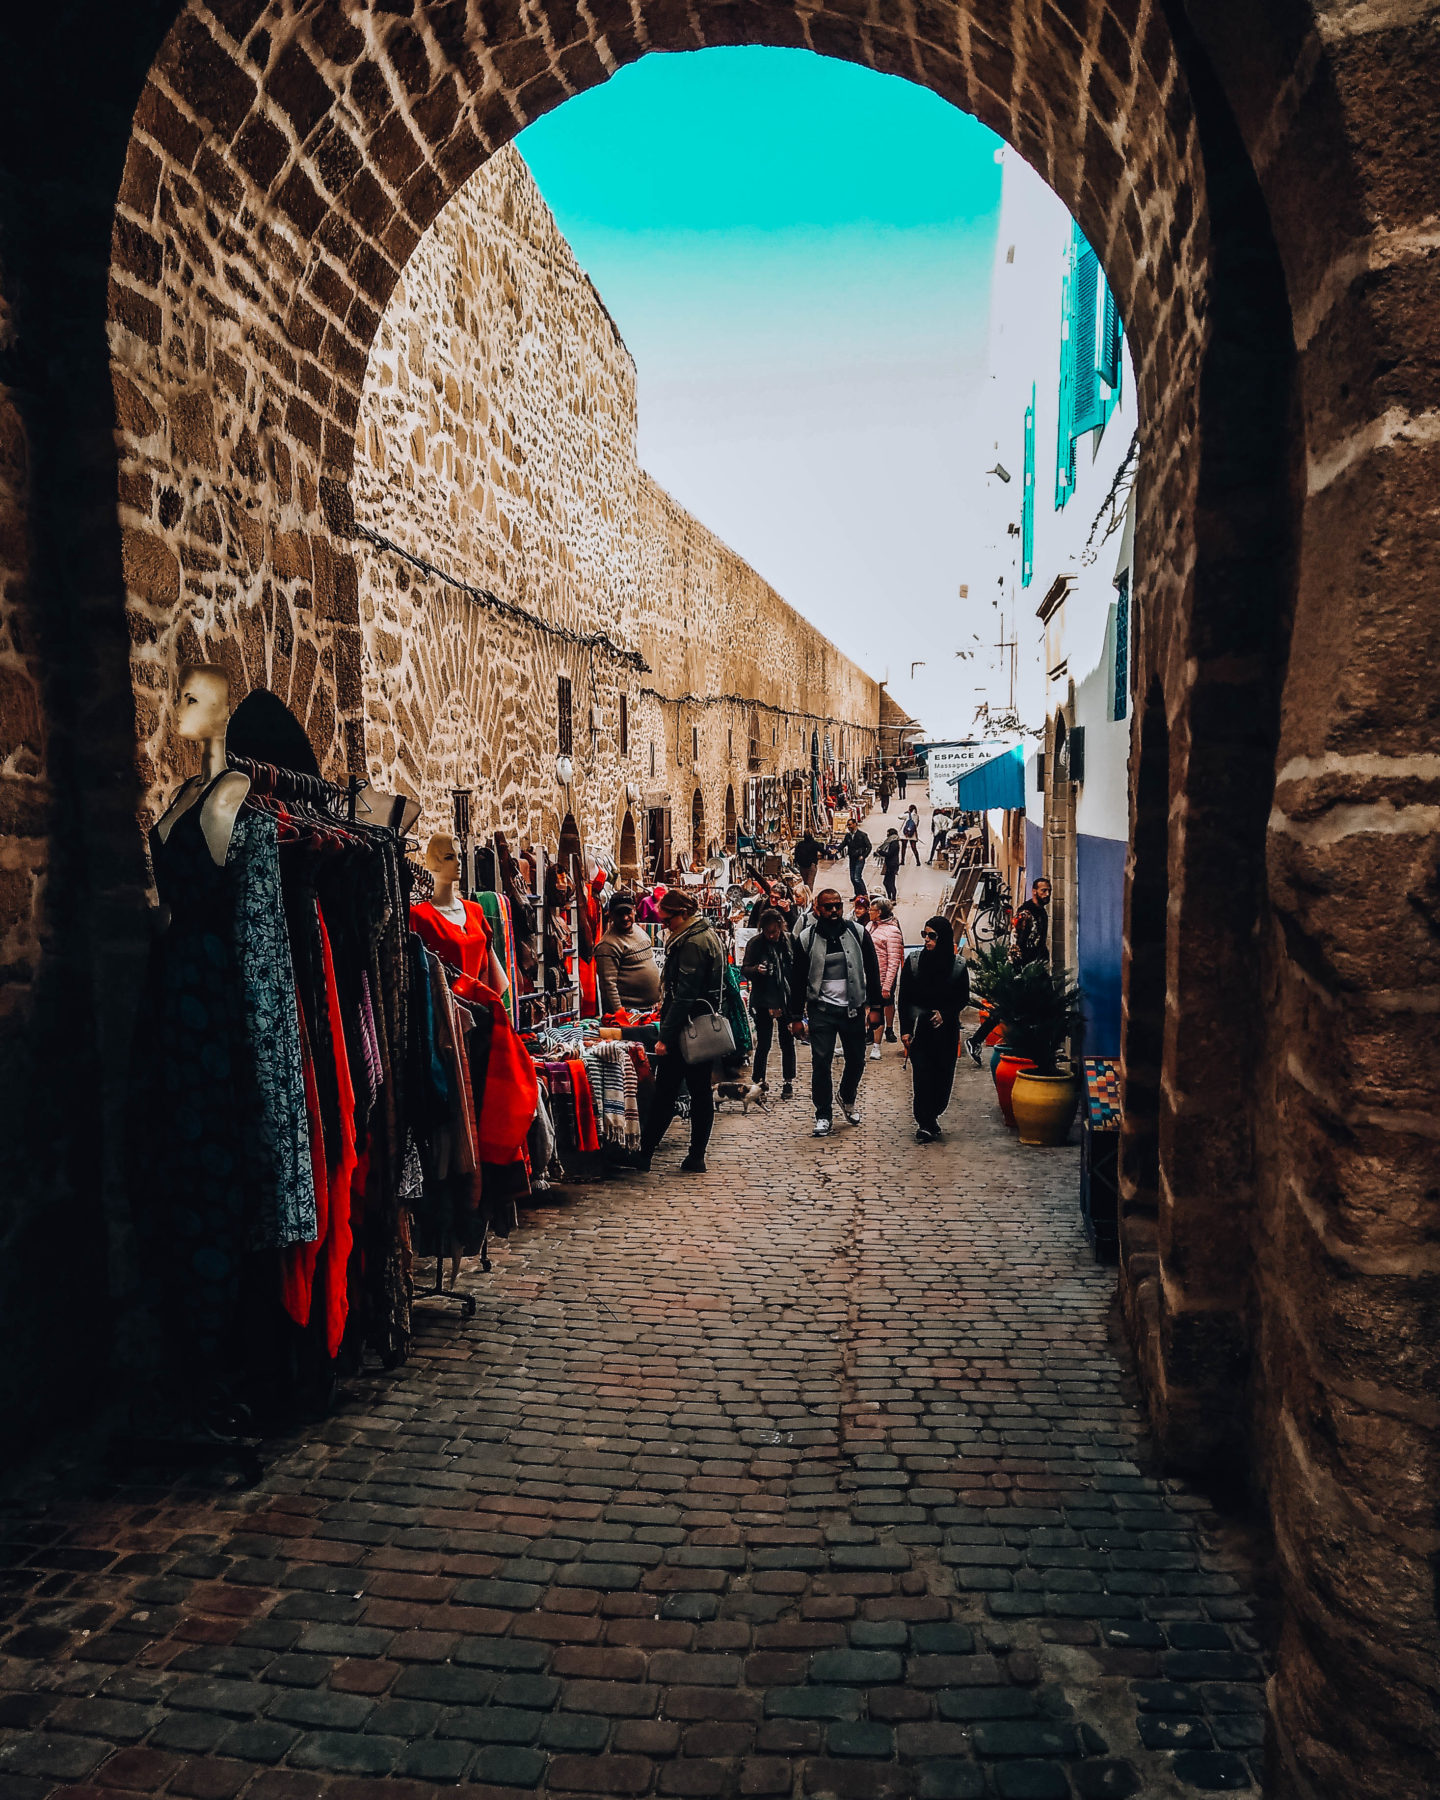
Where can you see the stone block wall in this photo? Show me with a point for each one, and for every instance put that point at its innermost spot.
(213, 200)
(496, 442)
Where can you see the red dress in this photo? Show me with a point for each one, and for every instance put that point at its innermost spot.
(464, 947)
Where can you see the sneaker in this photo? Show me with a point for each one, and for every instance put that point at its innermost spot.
(922, 1136)
(788, 1091)
(874, 1053)
(890, 1038)
(822, 1128)
(693, 1165)
(852, 1115)
(973, 1050)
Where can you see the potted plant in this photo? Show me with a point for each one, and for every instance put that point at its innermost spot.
(1042, 1012)
(994, 978)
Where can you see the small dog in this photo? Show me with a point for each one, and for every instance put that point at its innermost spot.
(748, 1093)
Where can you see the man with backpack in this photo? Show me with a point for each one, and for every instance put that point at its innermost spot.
(855, 846)
(836, 984)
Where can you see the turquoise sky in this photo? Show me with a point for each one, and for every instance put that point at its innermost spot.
(797, 252)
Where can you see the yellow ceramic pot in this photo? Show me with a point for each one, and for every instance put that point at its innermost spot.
(1044, 1106)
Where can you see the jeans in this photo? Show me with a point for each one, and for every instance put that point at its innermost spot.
(672, 1072)
(764, 1034)
(857, 874)
(827, 1023)
(937, 844)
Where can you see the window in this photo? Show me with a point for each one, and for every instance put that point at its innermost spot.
(1122, 646)
(1090, 359)
(1027, 498)
(694, 743)
(730, 740)
(652, 760)
(566, 733)
(624, 724)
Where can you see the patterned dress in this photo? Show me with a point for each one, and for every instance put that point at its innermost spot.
(219, 1155)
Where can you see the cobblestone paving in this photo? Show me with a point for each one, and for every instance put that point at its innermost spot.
(812, 1476)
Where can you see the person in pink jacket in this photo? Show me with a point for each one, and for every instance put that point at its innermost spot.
(890, 954)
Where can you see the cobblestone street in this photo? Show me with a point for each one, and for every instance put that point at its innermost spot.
(816, 1475)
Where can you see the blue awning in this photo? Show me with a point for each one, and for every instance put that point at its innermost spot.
(997, 784)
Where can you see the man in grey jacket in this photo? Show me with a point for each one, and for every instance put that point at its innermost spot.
(836, 983)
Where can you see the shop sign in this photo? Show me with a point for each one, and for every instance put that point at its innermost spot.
(943, 762)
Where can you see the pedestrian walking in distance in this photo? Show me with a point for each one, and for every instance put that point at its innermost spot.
(888, 857)
(910, 834)
(934, 991)
(769, 967)
(807, 857)
(855, 846)
(889, 944)
(836, 980)
(694, 971)
(886, 788)
(902, 775)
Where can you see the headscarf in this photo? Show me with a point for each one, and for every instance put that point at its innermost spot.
(935, 966)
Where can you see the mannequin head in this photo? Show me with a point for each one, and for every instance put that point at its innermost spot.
(202, 708)
(442, 859)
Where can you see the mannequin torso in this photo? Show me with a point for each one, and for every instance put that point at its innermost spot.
(203, 712)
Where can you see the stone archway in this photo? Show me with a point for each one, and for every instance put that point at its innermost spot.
(628, 851)
(1264, 226)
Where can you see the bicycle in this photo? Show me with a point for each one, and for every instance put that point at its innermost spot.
(991, 916)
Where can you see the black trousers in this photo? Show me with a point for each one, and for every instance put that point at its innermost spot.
(765, 1025)
(932, 1071)
(827, 1023)
(890, 875)
(672, 1072)
(937, 844)
(910, 844)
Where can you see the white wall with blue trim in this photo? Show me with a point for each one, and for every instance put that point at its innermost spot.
(1062, 393)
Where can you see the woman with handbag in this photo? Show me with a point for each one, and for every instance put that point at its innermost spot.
(692, 1029)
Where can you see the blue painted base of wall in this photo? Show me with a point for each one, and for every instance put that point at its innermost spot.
(1100, 930)
(1034, 857)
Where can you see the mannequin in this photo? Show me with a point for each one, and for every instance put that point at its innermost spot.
(202, 712)
(442, 859)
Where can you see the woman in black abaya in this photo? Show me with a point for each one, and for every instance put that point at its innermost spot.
(934, 991)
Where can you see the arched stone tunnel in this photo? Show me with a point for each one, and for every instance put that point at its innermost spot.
(204, 209)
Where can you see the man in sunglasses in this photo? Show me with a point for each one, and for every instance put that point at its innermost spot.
(836, 983)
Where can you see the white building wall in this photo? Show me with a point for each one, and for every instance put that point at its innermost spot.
(1085, 542)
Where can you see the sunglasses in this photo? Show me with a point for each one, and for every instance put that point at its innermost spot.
(833, 906)
(930, 934)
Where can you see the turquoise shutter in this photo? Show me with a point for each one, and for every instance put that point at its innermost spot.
(1110, 339)
(1065, 437)
(1088, 406)
(1027, 499)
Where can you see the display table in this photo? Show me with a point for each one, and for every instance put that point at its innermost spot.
(1099, 1156)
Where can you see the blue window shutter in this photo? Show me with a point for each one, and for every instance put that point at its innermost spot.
(1027, 499)
(1065, 437)
(1110, 338)
(1122, 647)
(1088, 407)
